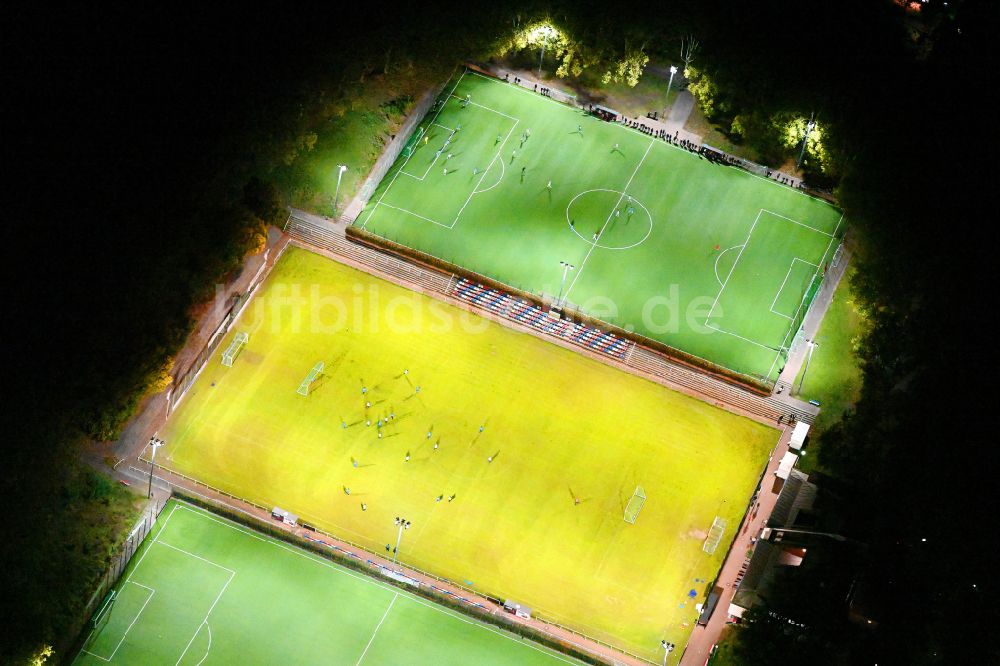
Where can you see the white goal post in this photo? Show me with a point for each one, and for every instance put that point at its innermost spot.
(634, 505)
(715, 535)
(234, 348)
(310, 378)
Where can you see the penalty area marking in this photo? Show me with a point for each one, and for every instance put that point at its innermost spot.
(131, 624)
(778, 295)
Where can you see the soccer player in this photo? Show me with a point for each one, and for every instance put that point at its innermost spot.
(453, 497)
(499, 139)
(439, 498)
(347, 491)
(489, 459)
(426, 139)
(446, 171)
(407, 458)
(579, 128)
(549, 186)
(364, 507)
(616, 146)
(428, 434)
(436, 444)
(482, 427)
(475, 171)
(449, 157)
(353, 461)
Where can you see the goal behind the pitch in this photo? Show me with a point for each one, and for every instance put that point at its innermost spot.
(234, 348)
(634, 505)
(715, 535)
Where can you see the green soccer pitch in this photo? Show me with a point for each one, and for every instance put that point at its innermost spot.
(558, 426)
(203, 590)
(640, 220)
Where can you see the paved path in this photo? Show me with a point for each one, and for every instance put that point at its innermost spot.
(811, 324)
(680, 110)
(702, 639)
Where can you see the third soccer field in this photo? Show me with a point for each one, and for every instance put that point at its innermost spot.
(204, 590)
(512, 457)
(706, 258)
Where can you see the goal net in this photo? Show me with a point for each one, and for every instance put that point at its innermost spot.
(104, 611)
(411, 145)
(233, 350)
(310, 378)
(715, 535)
(634, 505)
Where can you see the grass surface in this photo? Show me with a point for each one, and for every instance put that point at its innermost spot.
(206, 591)
(833, 378)
(557, 424)
(659, 212)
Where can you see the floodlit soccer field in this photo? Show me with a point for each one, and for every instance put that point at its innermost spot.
(558, 426)
(706, 258)
(204, 590)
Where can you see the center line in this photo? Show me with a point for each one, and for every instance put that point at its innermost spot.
(594, 244)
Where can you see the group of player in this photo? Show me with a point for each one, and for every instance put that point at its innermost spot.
(383, 421)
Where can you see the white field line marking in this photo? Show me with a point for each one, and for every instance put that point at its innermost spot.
(503, 170)
(717, 279)
(410, 212)
(150, 545)
(753, 342)
(377, 627)
(428, 169)
(603, 226)
(784, 340)
(197, 557)
(205, 620)
(498, 154)
(786, 187)
(499, 113)
(783, 282)
(209, 648)
(382, 196)
(733, 269)
(368, 580)
(771, 212)
(131, 624)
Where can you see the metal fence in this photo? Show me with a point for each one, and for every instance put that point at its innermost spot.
(126, 551)
(240, 301)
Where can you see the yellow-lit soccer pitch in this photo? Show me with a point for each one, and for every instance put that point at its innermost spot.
(513, 461)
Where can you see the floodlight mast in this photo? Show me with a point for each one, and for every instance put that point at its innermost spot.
(336, 197)
(546, 32)
(805, 140)
(403, 524)
(812, 346)
(155, 444)
(566, 269)
(673, 70)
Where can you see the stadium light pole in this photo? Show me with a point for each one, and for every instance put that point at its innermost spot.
(812, 345)
(673, 70)
(667, 649)
(805, 140)
(566, 269)
(336, 197)
(403, 524)
(546, 32)
(155, 443)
